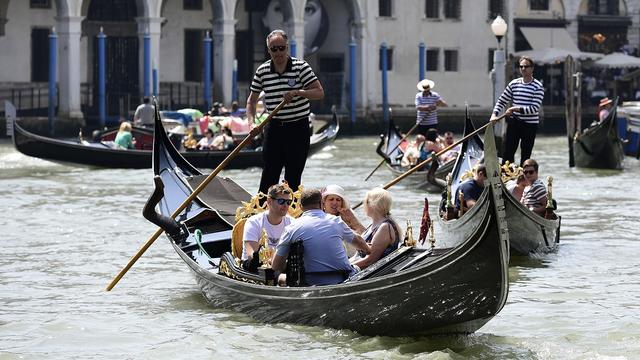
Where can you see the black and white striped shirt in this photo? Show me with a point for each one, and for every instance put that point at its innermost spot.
(297, 75)
(527, 96)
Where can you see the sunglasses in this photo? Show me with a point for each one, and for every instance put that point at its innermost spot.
(283, 201)
(525, 66)
(278, 48)
(529, 172)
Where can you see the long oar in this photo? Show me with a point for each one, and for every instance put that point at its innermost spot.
(193, 195)
(425, 162)
(392, 150)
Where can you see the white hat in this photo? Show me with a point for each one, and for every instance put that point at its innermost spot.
(425, 84)
(335, 190)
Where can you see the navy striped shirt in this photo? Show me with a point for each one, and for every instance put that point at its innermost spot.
(534, 194)
(527, 96)
(297, 75)
(427, 117)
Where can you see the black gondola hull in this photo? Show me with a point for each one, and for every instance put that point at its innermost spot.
(100, 155)
(416, 291)
(599, 146)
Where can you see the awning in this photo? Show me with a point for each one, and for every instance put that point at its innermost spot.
(546, 37)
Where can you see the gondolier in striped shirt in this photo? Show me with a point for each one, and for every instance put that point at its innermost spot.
(525, 95)
(286, 137)
(427, 102)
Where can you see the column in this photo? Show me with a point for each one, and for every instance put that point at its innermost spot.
(224, 38)
(153, 26)
(69, 29)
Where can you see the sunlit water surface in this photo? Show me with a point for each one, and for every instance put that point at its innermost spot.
(67, 230)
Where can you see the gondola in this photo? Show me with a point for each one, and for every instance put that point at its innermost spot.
(529, 233)
(389, 150)
(471, 151)
(102, 153)
(599, 146)
(412, 291)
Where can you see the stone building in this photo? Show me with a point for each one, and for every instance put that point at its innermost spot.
(456, 35)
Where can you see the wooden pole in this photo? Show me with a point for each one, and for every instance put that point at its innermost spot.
(193, 195)
(392, 150)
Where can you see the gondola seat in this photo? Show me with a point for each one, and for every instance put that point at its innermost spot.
(230, 267)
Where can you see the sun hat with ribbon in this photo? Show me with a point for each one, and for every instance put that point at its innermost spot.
(425, 84)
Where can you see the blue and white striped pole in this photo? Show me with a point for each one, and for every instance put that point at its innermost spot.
(102, 106)
(385, 97)
(53, 65)
(207, 72)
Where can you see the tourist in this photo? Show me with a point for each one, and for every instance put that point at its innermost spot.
(273, 221)
(124, 138)
(471, 189)
(534, 195)
(325, 258)
(384, 234)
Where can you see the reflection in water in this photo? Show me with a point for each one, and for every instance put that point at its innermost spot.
(67, 230)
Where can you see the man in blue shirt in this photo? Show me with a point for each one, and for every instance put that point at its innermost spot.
(472, 189)
(325, 258)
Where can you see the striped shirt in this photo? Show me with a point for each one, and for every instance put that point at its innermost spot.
(527, 96)
(534, 194)
(297, 75)
(427, 117)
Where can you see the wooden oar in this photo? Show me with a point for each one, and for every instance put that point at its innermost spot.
(425, 162)
(392, 150)
(193, 195)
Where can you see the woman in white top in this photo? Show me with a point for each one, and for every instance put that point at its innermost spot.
(207, 141)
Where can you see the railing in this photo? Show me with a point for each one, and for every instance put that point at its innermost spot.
(30, 100)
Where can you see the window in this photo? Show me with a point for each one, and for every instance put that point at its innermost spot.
(603, 7)
(389, 59)
(496, 7)
(40, 4)
(332, 63)
(114, 10)
(540, 5)
(490, 63)
(451, 60)
(39, 55)
(384, 8)
(432, 59)
(194, 55)
(452, 9)
(192, 4)
(432, 9)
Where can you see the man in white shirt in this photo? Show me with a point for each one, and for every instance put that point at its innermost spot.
(144, 114)
(273, 221)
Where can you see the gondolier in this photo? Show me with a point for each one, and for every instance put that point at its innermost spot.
(525, 95)
(427, 102)
(286, 137)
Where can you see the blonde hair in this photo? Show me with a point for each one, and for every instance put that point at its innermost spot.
(125, 126)
(379, 200)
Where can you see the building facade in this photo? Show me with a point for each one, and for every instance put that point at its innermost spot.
(456, 34)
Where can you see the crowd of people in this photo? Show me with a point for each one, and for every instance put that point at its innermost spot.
(336, 244)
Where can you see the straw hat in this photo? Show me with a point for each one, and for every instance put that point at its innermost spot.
(425, 84)
(335, 190)
(605, 101)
